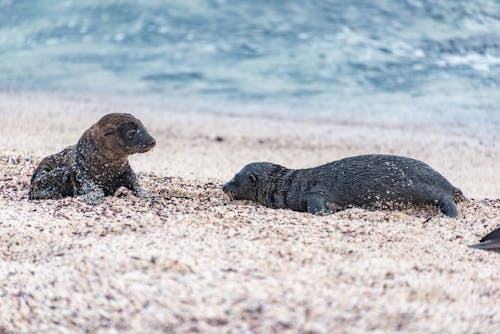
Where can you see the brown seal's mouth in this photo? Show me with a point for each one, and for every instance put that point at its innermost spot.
(142, 148)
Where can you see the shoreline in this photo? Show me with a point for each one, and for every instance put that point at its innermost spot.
(370, 115)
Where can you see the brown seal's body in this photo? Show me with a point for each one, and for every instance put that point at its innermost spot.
(365, 181)
(97, 165)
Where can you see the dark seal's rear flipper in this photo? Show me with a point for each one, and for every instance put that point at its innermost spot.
(489, 241)
(448, 207)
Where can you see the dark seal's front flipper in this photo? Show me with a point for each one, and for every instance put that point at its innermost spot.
(316, 203)
(489, 241)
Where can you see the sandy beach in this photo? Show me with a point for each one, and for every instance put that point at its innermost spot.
(191, 260)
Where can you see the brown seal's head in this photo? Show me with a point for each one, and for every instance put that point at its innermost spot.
(121, 134)
(254, 182)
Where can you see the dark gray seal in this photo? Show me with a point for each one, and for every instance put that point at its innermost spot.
(97, 165)
(489, 241)
(362, 181)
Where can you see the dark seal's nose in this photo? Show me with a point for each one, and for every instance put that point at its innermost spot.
(152, 142)
(228, 187)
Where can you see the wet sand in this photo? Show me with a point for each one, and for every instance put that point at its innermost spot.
(191, 260)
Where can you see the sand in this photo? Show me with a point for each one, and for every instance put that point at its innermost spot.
(191, 260)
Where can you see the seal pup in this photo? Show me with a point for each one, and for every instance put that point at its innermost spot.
(97, 165)
(489, 241)
(362, 181)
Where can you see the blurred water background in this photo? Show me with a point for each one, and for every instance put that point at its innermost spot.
(385, 60)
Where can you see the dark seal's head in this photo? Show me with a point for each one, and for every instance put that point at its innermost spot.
(121, 135)
(253, 182)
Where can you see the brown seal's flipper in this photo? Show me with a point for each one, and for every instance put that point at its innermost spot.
(90, 192)
(52, 178)
(129, 180)
(489, 241)
(51, 184)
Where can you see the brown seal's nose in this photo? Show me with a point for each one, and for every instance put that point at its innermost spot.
(149, 141)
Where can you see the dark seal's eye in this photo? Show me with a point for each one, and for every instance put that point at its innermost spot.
(252, 178)
(132, 133)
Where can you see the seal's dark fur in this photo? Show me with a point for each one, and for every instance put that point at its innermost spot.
(97, 165)
(363, 181)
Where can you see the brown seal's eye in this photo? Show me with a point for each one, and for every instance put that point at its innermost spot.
(132, 133)
(108, 132)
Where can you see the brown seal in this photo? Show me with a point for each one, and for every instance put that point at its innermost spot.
(371, 180)
(97, 165)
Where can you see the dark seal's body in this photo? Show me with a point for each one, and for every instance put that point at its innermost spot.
(362, 181)
(97, 165)
(489, 241)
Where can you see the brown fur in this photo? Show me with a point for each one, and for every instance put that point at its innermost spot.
(97, 165)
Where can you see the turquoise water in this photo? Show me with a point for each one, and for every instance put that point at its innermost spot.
(388, 60)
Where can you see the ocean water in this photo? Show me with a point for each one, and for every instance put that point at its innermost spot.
(398, 60)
